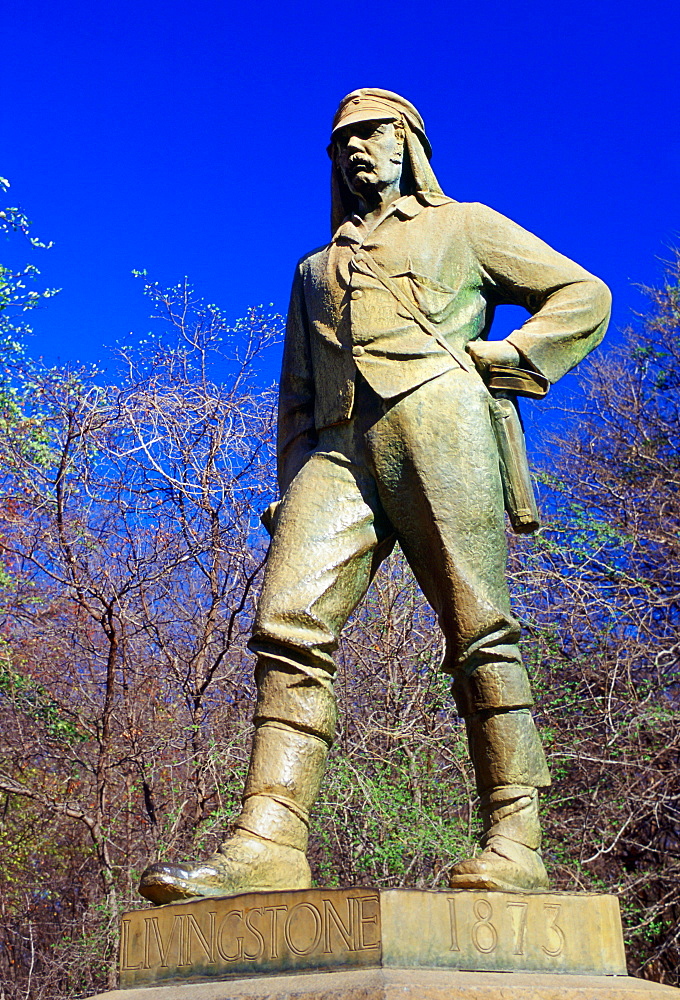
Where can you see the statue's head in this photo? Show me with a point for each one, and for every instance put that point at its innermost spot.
(369, 154)
(377, 138)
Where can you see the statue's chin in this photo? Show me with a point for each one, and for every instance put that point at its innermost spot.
(363, 184)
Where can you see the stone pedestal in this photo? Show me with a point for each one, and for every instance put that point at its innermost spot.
(370, 944)
(408, 984)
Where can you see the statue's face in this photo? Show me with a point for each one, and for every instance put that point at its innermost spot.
(369, 155)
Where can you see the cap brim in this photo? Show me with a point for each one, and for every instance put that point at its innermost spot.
(363, 116)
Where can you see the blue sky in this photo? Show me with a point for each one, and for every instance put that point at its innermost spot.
(189, 138)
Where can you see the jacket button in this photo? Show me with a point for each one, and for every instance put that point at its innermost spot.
(357, 293)
(357, 351)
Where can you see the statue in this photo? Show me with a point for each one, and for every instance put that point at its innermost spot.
(388, 431)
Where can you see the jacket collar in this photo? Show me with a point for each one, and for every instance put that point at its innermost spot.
(351, 231)
(413, 205)
(406, 207)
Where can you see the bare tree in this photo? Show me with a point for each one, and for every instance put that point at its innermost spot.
(130, 553)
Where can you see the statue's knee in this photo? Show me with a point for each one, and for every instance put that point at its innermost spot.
(505, 749)
(495, 701)
(500, 685)
(295, 693)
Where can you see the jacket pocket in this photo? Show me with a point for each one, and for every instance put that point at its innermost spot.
(434, 299)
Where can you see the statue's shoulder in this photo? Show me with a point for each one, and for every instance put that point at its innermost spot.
(440, 210)
(477, 212)
(472, 208)
(481, 222)
(313, 260)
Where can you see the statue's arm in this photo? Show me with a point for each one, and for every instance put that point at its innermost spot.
(296, 432)
(570, 307)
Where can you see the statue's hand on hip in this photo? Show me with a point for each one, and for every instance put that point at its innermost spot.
(493, 352)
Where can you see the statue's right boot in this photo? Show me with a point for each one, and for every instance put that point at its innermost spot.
(267, 850)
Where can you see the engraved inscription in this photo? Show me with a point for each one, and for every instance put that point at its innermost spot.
(454, 924)
(269, 932)
(257, 934)
(483, 933)
(369, 924)
(526, 924)
(125, 948)
(334, 926)
(274, 913)
(228, 937)
(297, 932)
(236, 933)
(195, 934)
(162, 948)
(519, 910)
(555, 933)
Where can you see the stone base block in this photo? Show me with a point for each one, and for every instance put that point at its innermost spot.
(324, 930)
(409, 984)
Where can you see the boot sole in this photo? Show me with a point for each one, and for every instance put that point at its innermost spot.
(490, 884)
(161, 891)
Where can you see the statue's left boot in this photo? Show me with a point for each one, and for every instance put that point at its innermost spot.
(510, 860)
(510, 767)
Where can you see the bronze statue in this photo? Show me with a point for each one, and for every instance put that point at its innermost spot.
(386, 433)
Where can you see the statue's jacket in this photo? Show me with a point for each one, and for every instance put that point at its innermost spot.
(456, 262)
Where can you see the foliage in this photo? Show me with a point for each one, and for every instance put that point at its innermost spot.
(17, 300)
(396, 806)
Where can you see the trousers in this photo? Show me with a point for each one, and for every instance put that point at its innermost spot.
(421, 470)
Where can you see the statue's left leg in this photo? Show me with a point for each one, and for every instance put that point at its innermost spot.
(495, 700)
(436, 465)
(509, 767)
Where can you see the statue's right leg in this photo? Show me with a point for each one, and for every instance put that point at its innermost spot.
(330, 533)
(267, 847)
